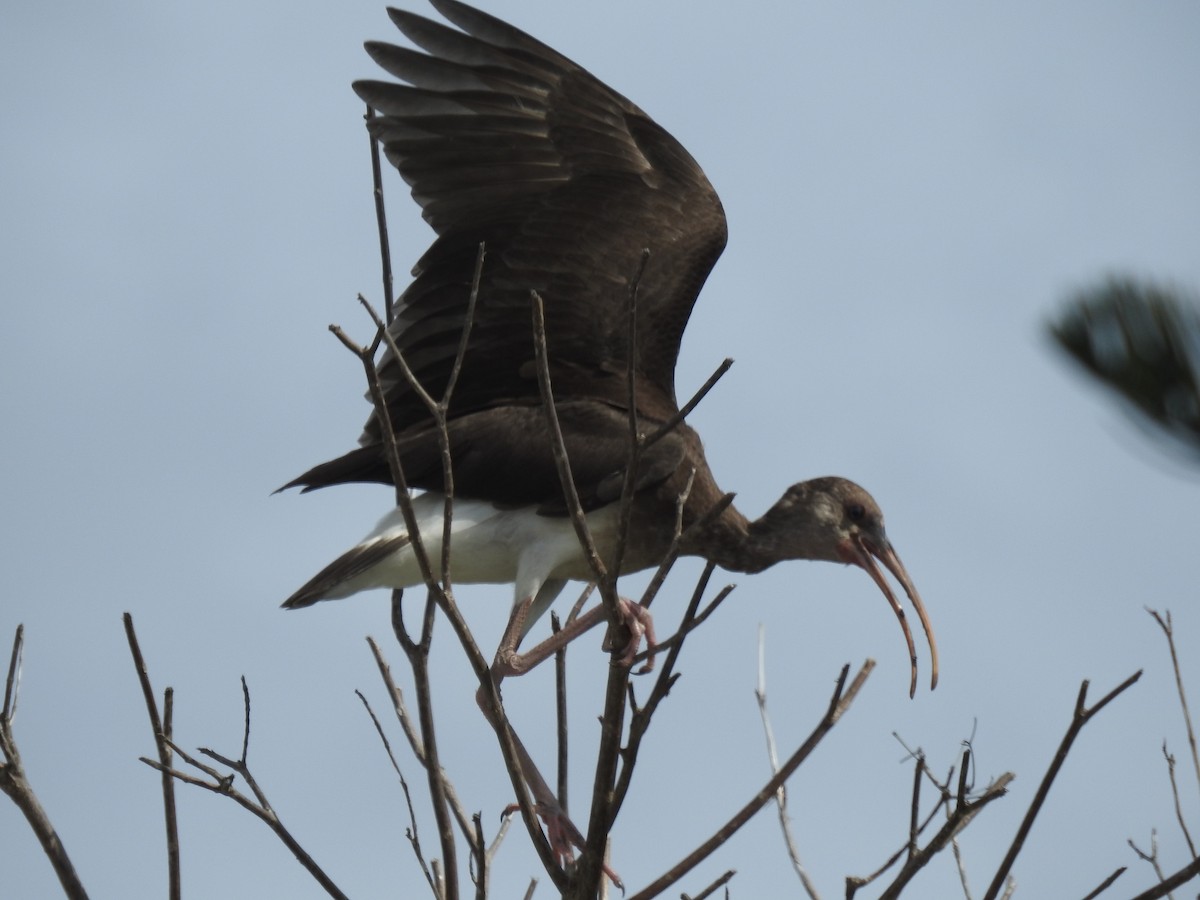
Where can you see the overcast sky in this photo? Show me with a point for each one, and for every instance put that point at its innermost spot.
(911, 190)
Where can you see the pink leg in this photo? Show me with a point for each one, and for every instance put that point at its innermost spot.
(561, 832)
(635, 617)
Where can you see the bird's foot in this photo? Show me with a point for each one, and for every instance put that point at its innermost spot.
(637, 619)
(562, 835)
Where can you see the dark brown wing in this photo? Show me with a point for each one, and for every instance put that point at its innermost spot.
(506, 142)
(505, 455)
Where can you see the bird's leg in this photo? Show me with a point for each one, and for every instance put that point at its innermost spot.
(561, 832)
(634, 616)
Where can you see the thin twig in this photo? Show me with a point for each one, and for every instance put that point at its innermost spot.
(1152, 856)
(719, 883)
(915, 809)
(391, 451)
(959, 815)
(12, 683)
(561, 462)
(222, 783)
(1169, 631)
(412, 832)
(639, 722)
(438, 408)
(589, 868)
(1105, 884)
(438, 594)
(418, 661)
(481, 865)
(385, 250)
(16, 786)
(162, 736)
(964, 812)
(686, 409)
(560, 716)
(785, 822)
(1183, 876)
(841, 700)
(445, 601)
(633, 460)
(961, 866)
(1080, 718)
(1187, 836)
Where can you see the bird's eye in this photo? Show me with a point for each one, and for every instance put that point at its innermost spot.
(856, 511)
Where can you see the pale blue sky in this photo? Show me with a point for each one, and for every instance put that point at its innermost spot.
(910, 188)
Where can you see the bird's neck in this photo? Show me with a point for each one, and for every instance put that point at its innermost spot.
(737, 544)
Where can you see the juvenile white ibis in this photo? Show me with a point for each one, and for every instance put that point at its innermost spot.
(508, 143)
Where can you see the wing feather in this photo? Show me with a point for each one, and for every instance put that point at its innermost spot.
(507, 142)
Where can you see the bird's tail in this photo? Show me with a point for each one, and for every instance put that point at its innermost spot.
(346, 574)
(364, 464)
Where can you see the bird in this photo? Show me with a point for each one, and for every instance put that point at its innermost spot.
(578, 197)
(1141, 339)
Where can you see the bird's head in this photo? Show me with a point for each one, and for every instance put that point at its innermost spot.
(836, 520)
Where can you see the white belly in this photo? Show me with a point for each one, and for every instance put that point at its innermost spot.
(487, 545)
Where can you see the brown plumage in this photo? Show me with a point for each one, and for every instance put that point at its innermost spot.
(506, 142)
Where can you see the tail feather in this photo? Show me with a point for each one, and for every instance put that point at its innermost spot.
(350, 565)
(365, 464)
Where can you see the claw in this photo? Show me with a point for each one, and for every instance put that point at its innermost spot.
(637, 619)
(564, 838)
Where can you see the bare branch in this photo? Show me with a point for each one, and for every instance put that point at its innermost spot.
(385, 249)
(413, 832)
(964, 812)
(222, 783)
(391, 451)
(785, 822)
(841, 700)
(418, 660)
(640, 720)
(1187, 836)
(1167, 629)
(633, 460)
(1080, 718)
(1105, 884)
(12, 684)
(445, 601)
(719, 883)
(481, 860)
(1152, 856)
(687, 408)
(438, 594)
(570, 494)
(560, 717)
(17, 787)
(1183, 876)
(958, 816)
(162, 737)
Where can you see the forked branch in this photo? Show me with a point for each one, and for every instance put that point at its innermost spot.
(16, 786)
(1082, 715)
(841, 700)
(161, 728)
(223, 783)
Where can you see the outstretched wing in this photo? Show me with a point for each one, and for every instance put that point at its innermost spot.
(506, 142)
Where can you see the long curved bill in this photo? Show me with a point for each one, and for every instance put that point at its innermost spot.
(863, 550)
